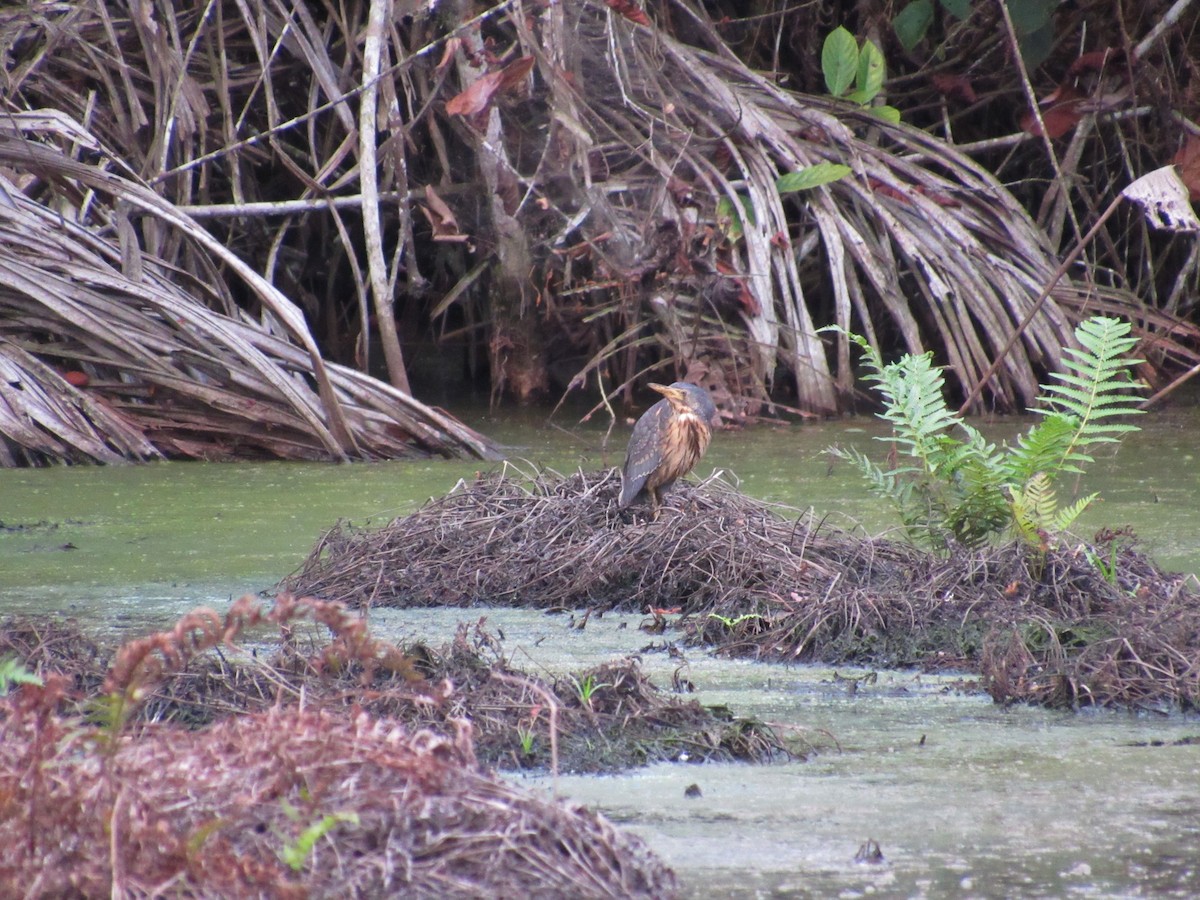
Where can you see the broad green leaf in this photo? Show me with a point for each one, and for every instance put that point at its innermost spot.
(960, 9)
(1035, 29)
(1037, 46)
(731, 219)
(839, 61)
(811, 177)
(872, 70)
(1030, 15)
(912, 22)
(728, 219)
(887, 113)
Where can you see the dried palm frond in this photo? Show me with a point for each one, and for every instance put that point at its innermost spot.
(575, 163)
(919, 241)
(157, 372)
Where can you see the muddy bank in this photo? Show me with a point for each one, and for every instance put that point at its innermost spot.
(1072, 625)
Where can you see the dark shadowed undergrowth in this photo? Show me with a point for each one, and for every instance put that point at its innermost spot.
(1078, 624)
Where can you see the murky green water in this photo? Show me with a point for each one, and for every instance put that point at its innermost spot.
(964, 798)
(995, 803)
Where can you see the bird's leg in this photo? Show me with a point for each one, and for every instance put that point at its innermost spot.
(655, 507)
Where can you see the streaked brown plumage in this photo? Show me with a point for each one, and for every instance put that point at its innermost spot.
(667, 442)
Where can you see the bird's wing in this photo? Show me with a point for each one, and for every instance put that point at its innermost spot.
(644, 454)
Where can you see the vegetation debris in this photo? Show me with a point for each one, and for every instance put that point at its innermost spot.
(1069, 625)
(349, 770)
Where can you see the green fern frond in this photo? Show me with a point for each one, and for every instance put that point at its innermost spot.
(913, 392)
(1066, 517)
(963, 490)
(1023, 522)
(982, 508)
(1035, 509)
(917, 408)
(1043, 449)
(1042, 503)
(909, 492)
(1096, 388)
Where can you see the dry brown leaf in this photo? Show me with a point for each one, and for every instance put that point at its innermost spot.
(1064, 111)
(515, 73)
(477, 97)
(955, 87)
(1188, 162)
(1163, 197)
(441, 218)
(1096, 61)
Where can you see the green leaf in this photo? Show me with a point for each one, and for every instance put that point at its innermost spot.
(839, 60)
(889, 114)
(13, 671)
(730, 219)
(960, 9)
(1035, 29)
(296, 854)
(811, 177)
(1030, 15)
(872, 70)
(1037, 46)
(912, 22)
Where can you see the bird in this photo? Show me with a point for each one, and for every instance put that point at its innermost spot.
(667, 442)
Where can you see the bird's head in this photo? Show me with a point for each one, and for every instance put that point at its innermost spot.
(685, 397)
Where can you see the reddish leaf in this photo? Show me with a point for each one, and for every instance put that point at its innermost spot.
(629, 10)
(1188, 162)
(1061, 94)
(744, 298)
(955, 87)
(515, 73)
(1095, 61)
(441, 218)
(897, 194)
(1061, 112)
(76, 378)
(476, 98)
(452, 45)
(887, 190)
(1059, 119)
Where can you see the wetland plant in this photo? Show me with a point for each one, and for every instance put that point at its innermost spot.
(959, 489)
(586, 688)
(13, 671)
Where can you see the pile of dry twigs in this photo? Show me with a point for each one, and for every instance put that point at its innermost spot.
(319, 792)
(1048, 627)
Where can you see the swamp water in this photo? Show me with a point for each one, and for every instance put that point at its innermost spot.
(965, 799)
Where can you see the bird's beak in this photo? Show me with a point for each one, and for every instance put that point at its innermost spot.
(668, 392)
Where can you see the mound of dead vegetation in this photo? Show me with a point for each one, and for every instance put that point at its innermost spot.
(290, 803)
(605, 719)
(331, 786)
(1070, 625)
